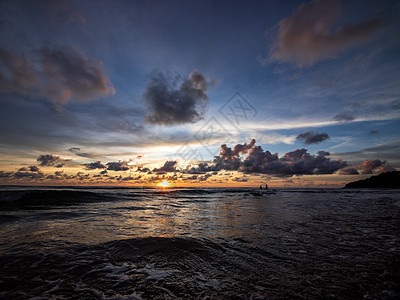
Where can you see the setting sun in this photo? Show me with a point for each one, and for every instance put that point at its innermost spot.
(165, 183)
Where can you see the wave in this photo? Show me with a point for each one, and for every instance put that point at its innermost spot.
(188, 268)
(37, 198)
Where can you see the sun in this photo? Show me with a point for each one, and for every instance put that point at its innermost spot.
(165, 183)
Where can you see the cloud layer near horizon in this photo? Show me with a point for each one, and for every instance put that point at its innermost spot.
(297, 162)
(309, 35)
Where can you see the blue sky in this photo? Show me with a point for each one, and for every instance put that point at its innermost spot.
(99, 80)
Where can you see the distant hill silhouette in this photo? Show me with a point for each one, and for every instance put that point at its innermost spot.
(389, 180)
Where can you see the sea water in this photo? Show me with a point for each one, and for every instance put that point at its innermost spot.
(199, 243)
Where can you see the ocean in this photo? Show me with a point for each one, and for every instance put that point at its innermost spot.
(199, 243)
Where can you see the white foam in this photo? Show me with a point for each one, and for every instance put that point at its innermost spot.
(155, 274)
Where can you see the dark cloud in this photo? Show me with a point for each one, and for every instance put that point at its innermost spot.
(170, 103)
(4, 174)
(27, 175)
(169, 166)
(30, 173)
(310, 137)
(297, 162)
(34, 169)
(309, 35)
(239, 149)
(130, 178)
(65, 74)
(344, 117)
(48, 159)
(201, 169)
(118, 166)
(94, 165)
(51, 160)
(144, 170)
(372, 132)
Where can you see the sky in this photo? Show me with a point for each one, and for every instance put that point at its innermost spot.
(198, 93)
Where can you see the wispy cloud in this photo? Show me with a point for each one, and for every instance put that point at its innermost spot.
(62, 74)
(73, 76)
(346, 116)
(309, 36)
(386, 151)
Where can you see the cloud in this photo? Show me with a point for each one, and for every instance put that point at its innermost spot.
(239, 149)
(34, 169)
(310, 137)
(349, 171)
(144, 170)
(346, 116)
(297, 162)
(94, 165)
(4, 174)
(130, 178)
(73, 76)
(62, 11)
(32, 172)
(387, 152)
(27, 175)
(309, 36)
(376, 166)
(118, 166)
(48, 160)
(77, 151)
(74, 150)
(237, 179)
(170, 103)
(17, 73)
(169, 166)
(62, 74)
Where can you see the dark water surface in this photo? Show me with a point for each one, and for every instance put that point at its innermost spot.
(199, 244)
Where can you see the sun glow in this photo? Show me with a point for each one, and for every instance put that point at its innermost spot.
(165, 183)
